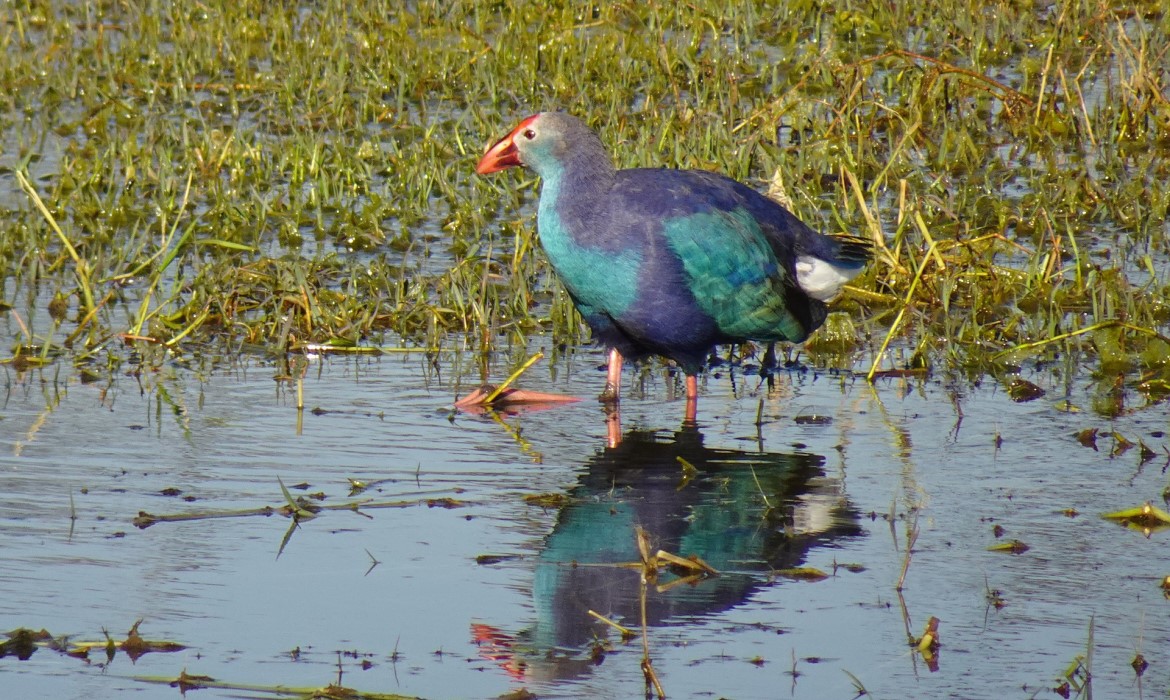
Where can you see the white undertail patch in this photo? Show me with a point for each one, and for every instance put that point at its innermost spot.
(821, 279)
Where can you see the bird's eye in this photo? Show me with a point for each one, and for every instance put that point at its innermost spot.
(529, 134)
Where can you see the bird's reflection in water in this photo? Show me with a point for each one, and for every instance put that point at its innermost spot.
(745, 513)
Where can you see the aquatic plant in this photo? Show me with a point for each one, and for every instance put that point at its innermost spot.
(238, 175)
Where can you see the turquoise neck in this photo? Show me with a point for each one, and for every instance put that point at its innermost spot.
(600, 281)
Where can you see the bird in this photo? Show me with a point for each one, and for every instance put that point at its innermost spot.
(671, 262)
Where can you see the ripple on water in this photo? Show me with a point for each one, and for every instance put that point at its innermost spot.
(794, 493)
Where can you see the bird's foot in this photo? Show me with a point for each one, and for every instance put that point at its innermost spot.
(477, 397)
(768, 364)
(486, 396)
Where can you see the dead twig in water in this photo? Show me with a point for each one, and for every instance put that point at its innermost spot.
(911, 539)
(626, 632)
(144, 520)
(649, 573)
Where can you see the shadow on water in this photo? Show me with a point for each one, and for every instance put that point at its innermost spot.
(745, 513)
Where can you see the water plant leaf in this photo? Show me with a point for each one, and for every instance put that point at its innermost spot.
(928, 644)
(288, 533)
(1121, 444)
(1146, 517)
(230, 245)
(22, 643)
(689, 472)
(1022, 390)
(135, 646)
(1088, 437)
(1010, 546)
(929, 641)
(296, 508)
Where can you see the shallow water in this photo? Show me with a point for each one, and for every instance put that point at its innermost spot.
(812, 487)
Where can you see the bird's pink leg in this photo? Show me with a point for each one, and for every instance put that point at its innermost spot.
(613, 379)
(692, 399)
(613, 427)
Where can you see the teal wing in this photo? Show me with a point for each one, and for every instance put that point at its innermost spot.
(735, 278)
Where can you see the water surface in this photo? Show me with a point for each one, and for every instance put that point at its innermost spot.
(483, 598)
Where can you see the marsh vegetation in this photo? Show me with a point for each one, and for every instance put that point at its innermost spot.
(190, 190)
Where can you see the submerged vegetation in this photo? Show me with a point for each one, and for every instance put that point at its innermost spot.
(241, 175)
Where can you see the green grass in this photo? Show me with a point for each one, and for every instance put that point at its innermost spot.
(275, 175)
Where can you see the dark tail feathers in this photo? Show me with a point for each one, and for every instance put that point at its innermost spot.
(852, 249)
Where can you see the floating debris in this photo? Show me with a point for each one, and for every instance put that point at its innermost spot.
(22, 643)
(813, 419)
(546, 500)
(851, 567)
(802, 573)
(1139, 664)
(995, 597)
(490, 559)
(684, 565)
(444, 503)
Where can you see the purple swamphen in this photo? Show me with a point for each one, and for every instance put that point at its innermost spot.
(671, 262)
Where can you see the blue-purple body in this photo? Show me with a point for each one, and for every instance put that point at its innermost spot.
(672, 262)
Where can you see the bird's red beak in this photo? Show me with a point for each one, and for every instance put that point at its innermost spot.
(503, 154)
(500, 156)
